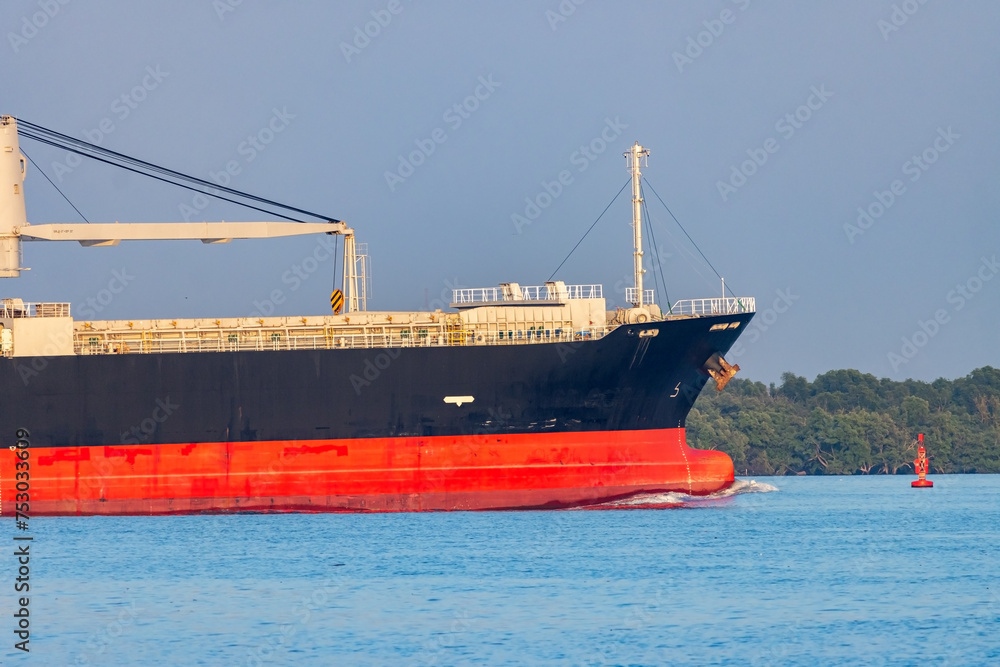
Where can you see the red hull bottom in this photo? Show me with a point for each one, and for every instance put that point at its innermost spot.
(444, 473)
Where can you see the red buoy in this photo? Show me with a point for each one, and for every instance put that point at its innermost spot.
(920, 467)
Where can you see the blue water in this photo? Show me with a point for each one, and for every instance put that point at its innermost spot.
(859, 570)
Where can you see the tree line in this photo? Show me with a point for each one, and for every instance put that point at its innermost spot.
(846, 422)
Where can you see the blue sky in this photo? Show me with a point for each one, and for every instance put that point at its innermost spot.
(769, 124)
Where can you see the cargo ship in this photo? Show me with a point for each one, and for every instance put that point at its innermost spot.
(516, 397)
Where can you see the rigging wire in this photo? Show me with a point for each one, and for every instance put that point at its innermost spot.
(658, 266)
(654, 268)
(589, 229)
(62, 138)
(160, 178)
(336, 255)
(684, 250)
(85, 149)
(55, 186)
(728, 288)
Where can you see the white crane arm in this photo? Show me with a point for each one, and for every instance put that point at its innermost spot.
(101, 234)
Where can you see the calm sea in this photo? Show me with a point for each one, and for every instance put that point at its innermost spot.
(859, 570)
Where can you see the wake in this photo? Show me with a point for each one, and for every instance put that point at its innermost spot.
(672, 499)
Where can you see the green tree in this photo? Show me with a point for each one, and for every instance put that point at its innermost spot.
(847, 422)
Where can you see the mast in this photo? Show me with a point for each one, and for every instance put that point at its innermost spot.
(634, 156)
(12, 211)
(355, 292)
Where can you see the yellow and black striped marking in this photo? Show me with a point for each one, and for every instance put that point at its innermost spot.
(337, 301)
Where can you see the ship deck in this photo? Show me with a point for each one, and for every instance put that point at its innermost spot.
(481, 324)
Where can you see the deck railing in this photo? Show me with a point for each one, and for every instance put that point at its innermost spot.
(94, 342)
(648, 296)
(525, 293)
(11, 308)
(124, 339)
(716, 306)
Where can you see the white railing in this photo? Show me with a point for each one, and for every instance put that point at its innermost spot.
(648, 296)
(585, 291)
(525, 293)
(16, 308)
(717, 306)
(475, 295)
(102, 343)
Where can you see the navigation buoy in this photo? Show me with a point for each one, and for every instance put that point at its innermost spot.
(920, 467)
